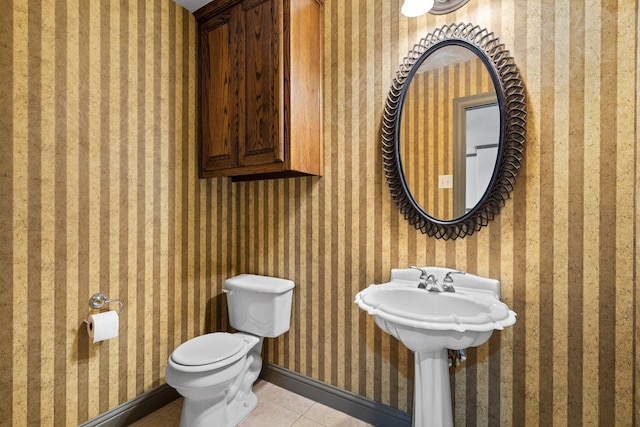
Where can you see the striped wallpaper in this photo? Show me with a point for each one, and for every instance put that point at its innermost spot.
(100, 194)
(100, 191)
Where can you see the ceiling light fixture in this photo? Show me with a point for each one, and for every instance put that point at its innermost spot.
(412, 8)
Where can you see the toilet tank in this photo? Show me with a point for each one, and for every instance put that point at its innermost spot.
(259, 305)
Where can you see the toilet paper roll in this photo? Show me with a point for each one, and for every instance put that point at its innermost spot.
(103, 326)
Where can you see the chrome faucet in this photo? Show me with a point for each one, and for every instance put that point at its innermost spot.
(432, 284)
(447, 282)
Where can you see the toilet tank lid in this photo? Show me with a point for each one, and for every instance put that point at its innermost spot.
(256, 283)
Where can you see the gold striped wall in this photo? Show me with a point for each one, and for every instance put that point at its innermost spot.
(99, 190)
(100, 194)
(563, 246)
(428, 118)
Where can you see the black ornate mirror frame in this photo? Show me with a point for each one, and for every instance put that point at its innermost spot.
(511, 99)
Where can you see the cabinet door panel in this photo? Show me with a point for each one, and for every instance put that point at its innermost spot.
(262, 140)
(219, 93)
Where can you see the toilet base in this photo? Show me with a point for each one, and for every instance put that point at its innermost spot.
(241, 407)
(203, 414)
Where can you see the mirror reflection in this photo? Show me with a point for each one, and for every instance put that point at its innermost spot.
(449, 132)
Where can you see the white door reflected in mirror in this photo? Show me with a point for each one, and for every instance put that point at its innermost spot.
(482, 133)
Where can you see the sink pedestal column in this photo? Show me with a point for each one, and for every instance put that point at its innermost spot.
(432, 392)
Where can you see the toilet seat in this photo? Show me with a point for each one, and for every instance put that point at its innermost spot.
(210, 351)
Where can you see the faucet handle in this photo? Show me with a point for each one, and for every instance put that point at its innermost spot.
(423, 271)
(447, 282)
(448, 278)
(423, 277)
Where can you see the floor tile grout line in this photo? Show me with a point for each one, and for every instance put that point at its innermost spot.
(283, 407)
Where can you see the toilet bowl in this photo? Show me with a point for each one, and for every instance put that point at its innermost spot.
(215, 372)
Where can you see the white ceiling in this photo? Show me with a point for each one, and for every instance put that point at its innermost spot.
(192, 5)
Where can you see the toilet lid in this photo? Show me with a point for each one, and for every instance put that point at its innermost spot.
(206, 349)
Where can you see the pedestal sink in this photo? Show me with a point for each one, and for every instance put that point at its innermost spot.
(429, 323)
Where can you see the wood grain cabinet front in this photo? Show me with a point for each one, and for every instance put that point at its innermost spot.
(260, 72)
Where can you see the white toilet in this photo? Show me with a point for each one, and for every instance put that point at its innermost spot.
(215, 372)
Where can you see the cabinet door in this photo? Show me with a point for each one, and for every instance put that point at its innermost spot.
(220, 91)
(261, 50)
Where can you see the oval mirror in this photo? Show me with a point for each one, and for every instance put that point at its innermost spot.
(453, 132)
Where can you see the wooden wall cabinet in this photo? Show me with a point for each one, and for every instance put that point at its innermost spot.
(260, 73)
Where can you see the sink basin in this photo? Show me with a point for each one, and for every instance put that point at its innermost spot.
(429, 323)
(425, 320)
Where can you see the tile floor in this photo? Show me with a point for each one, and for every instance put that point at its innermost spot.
(277, 407)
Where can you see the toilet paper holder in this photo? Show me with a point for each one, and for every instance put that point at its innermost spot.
(99, 300)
